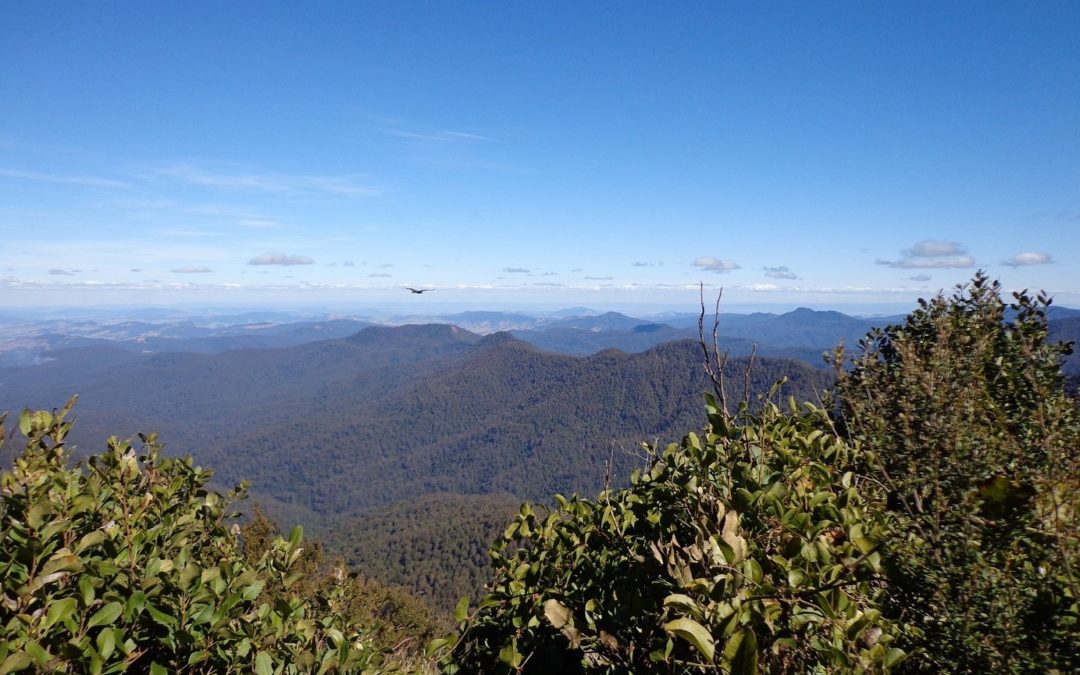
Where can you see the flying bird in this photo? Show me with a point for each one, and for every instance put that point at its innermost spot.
(418, 291)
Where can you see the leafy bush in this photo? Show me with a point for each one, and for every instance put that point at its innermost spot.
(127, 564)
(751, 548)
(964, 411)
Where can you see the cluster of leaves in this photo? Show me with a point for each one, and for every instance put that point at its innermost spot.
(751, 547)
(127, 564)
(964, 409)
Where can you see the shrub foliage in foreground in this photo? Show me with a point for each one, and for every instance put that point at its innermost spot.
(752, 548)
(964, 408)
(127, 565)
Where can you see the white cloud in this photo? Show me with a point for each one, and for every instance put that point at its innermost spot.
(281, 259)
(781, 272)
(1029, 258)
(717, 265)
(931, 254)
(935, 248)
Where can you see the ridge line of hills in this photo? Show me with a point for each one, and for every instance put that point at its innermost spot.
(400, 445)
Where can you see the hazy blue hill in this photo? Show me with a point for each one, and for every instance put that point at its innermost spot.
(1058, 312)
(25, 343)
(583, 341)
(567, 312)
(609, 321)
(495, 319)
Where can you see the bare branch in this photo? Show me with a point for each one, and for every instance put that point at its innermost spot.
(714, 362)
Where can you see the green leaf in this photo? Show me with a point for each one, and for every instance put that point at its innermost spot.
(683, 602)
(15, 662)
(263, 664)
(86, 590)
(57, 611)
(694, 633)
(295, 536)
(510, 655)
(745, 661)
(62, 562)
(105, 615)
(37, 514)
(106, 642)
(893, 657)
(461, 612)
(91, 539)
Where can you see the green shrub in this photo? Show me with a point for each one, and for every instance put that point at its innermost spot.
(964, 411)
(750, 548)
(127, 564)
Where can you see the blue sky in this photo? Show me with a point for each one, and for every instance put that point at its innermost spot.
(605, 154)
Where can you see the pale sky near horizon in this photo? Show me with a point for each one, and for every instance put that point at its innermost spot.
(561, 153)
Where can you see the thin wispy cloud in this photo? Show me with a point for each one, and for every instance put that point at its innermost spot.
(920, 277)
(932, 254)
(380, 275)
(600, 278)
(439, 136)
(62, 179)
(281, 259)
(1029, 258)
(60, 273)
(781, 272)
(516, 270)
(711, 264)
(266, 182)
(191, 270)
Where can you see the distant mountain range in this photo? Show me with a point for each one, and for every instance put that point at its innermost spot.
(802, 334)
(350, 427)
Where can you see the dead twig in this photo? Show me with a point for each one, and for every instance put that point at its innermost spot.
(714, 362)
